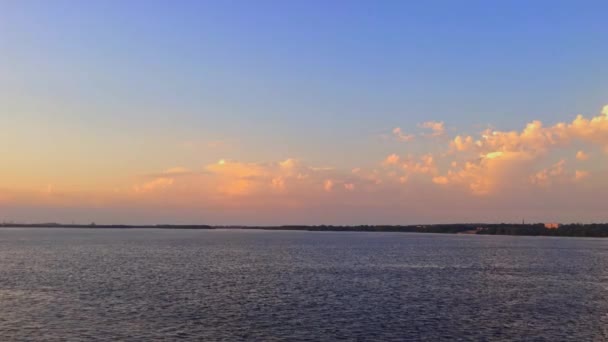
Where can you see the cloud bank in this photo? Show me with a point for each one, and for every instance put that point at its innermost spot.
(554, 172)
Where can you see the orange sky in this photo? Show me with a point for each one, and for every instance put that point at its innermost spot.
(541, 172)
(282, 112)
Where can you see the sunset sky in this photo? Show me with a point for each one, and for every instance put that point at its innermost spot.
(303, 112)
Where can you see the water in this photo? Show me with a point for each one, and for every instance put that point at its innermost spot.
(78, 284)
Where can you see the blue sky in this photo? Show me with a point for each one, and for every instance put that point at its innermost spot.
(321, 81)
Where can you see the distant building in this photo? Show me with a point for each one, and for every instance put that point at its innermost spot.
(552, 225)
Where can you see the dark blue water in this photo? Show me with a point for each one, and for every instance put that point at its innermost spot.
(77, 284)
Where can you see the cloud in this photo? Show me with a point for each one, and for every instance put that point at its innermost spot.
(441, 180)
(177, 170)
(392, 159)
(50, 189)
(581, 155)
(230, 179)
(549, 175)
(489, 173)
(463, 143)
(278, 183)
(328, 185)
(580, 175)
(409, 165)
(557, 173)
(501, 158)
(400, 136)
(217, 143)
(174, 172)
(235, 178)
(157, 184)
(437, 128)
(535, 166)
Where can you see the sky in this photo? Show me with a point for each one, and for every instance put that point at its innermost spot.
(303, 112)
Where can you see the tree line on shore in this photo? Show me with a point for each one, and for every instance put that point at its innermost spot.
(536, 229)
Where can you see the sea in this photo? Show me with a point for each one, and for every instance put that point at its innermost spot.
(254, 285)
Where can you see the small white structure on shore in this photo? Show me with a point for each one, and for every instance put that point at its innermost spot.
(552, 225)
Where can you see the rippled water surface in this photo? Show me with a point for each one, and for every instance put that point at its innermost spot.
(78, 284)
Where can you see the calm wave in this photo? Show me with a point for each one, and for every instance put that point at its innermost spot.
(78, 284)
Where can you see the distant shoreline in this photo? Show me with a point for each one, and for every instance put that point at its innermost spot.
(538, 229)
(105, 226)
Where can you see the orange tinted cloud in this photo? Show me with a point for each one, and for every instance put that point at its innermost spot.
(581, 155)
(400, 136)
(497, 157)
(437, 127)
(156, 184)
(555, 172)
(328, 185)
(392, 159)
(492, 165)
(581, 174)
(488, 164)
